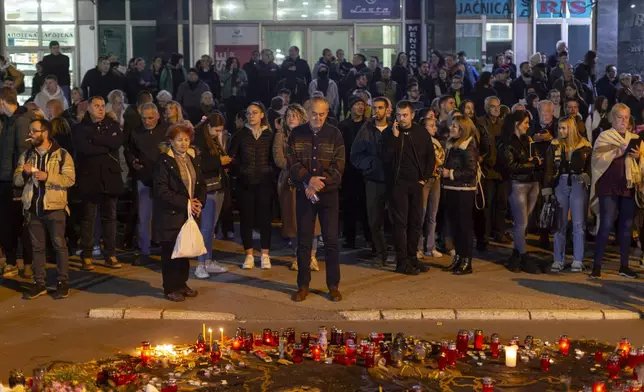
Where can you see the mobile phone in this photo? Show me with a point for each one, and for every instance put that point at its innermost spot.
(633, 144)
(531, 149)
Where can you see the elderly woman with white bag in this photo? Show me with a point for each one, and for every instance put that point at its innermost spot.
(179, 194)
(617, 167)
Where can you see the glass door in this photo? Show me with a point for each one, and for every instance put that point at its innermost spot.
(311, 41)
(333, 38)
(469, 38)
(279, 39)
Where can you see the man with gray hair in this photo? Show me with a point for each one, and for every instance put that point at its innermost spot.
(302, 69)
(141, 153)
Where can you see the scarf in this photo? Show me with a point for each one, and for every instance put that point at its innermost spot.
(607, 147)
(187, 171)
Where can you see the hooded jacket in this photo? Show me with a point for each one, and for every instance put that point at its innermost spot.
(302, 69)
(364, 152)
(44, 96)
(60, 177)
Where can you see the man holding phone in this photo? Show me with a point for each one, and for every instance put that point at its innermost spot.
(141, 153)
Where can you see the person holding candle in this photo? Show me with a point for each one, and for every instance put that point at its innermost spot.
(616, 177)
(567, 171)
(177, 183)
(460, 178)
(252, 153)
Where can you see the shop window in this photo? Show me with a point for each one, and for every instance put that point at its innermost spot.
(580, 35)
(378, 35)
(57, 10)
(469, 39)
(280, 41)
(21, 35)
(111, 10)
(144, 9)
(25, 62)
(387, 56)
(111, 41)
(307, 10)
(64, 34)
(243, 10)
(547, 37)
(498, 32)
(18, 11)
(547, 9)
(144, 42)
(332, 39)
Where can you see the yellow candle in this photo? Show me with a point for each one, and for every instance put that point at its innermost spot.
(203, 330)
(210, 333)
(511, 356)
(221, 332)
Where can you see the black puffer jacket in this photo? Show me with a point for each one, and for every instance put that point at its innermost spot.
(211, 162)
(462, 162)
(516, 153)
(556, 163)
(253, 158)
(170, 210)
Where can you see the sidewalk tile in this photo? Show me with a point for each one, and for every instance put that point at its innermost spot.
(492, 314)
(143, 313)
(570, 314)
(361, 315)
(106, 313)
(178, 314)
(621, 314)
(410, 314)
(438, 314)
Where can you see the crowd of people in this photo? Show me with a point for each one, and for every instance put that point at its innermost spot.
(440, 155)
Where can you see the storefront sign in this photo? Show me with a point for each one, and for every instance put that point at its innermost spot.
(371, 9)
(630, 38)
(488, 8)
(412, 43)
(237, 35)
(242, 52)
(556, 8)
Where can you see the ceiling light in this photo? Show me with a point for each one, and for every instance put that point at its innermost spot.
(304, 16)
(327, 6)
(230, 6)
(632, 5)
(305, 3)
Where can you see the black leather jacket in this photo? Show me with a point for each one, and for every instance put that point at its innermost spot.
(556, 163)
(517, 159)
(462, 162)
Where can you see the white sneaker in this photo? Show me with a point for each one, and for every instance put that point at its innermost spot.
(97, 251)
(314, 264)
(420, 255)
(266, 261)
(577, 266)
(201, 272)
(249, 262)
(293, 266)
(557, 266)
(214, 267)
(433, 253)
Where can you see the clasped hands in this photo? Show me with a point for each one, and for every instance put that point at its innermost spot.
(316, 184)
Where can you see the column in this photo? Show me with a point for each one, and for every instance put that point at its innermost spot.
(606, 24)
(201, 19)
(167, 32)
(87, 42)
(441, 26)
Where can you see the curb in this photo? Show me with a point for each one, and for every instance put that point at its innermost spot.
(490, 314)
(157, 314)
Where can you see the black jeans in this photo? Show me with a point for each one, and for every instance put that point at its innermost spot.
(175, 272)
(406, 203)
(354, 209)
(52, 223)
(255, 206)
(328, 211)
(12, 227)
(107, 205)
(376, 194)
(459, 205)
(496, 208)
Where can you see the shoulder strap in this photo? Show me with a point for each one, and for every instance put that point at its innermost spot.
(63, 156)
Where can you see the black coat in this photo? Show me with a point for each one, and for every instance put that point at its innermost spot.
(505, 94)
(267, 78)
(96, 84)
(516, 155)
(253, 159)
(462, 162)
(415, 139)
(144, 145)
(58, 66)
(478, 96)
(211, 167)
(302, 69)
(211, 78)
(554, 168)
(170, 210)
(97, 158)
(608, 89)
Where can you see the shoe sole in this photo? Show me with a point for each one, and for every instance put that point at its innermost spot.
(37, 295)
(87, 268)
(114, 266)
(594, 277)
(627, 276)
(60, 296)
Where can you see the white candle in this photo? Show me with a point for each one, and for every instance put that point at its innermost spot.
(221, 332)
(511, 356)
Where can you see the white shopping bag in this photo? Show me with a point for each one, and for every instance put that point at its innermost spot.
(190, 241)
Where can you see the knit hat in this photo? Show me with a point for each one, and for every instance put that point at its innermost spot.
(535, 59)
(355, 99)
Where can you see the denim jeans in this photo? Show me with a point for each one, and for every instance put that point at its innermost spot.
(52, 224)
(209, 217)
(431, 199)
(523, 197)
(107, 206)
(575, 198)
(145, 215)
(611, 208)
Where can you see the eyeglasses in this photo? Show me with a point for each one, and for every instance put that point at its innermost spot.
(33, 130)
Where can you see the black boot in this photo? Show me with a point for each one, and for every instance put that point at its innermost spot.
(404, 267)
(529, 264)
(514, 264)
(455, 261)
(418, 264)
(464, 267)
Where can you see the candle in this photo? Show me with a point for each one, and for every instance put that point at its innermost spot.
(210, 339)
(370, 356)
(203, 330)
(298, 352)
(316, 353)
(564, 345)
(258, 339)
(444, 346)
(268, 337)
(599, 386)
(511, 356)
(633, 359)
(494, 345)
(215, 353)
(275, 340)
(442, 361)
(305, 338)
(146, 351)
(452, 354)
(462, 340)
(248, 342)
(221, 335)
(612, 366)
(625, 345)
(478, 340)
(236, 344)
(527, 343)
(634, 386)
(599, 356)
(545, 362)
(488, 384)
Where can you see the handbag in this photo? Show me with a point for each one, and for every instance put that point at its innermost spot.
(213, 184)
(548, 216)
(189, 241)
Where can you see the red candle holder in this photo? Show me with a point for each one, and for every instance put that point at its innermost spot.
(363, 347)
(316, 353)
(375, 338)
(236, 344)
(352, 352)
(353, 335)
(599, 356)
(275, 341)
(487, 384)
(452, 353)
(370, 356)
(478, 340)
(494, 346)
(441, 361)
(248, 342)
(201, 347)
(634, 386)
(545, 362)
(612, 366)
(640, 355)
(146, 351)
(625, 345)
(599, 386)
(215, 353)
(444, 346)
(462, 340)
(267, 337)
(305, 338)
(258, 340)
(298, 352)
(564, 345)
(633, 359)
(290, 335)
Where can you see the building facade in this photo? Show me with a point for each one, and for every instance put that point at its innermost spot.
(382, 28)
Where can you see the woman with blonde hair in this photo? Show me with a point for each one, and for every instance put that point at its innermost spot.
(459, 176)
(173, 113)
(567, 177)
(294, 116)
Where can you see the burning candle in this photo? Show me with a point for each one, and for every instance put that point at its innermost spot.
(612, 366)
(442, 361)
(268, 337)
(236, 344)
(210, 338)
(203, 329)
(564, 345)
(146, 351)
(221, 336)
(599, 386)
(298, 352)
(305, 338)
(625, 345)
(462, 340)
(511, 356)
(634, 386)
(487, 384)
(545, 362)
(494, 345)
(451, 354)
(316, 353)
(215, 353)
(444, 346)
(478, 339)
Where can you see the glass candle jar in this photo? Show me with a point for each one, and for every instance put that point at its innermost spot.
(487, 384)
(545, 362)
(257, 338)
(248, 342)
(275, 339)
(527, 343)
(633, 359)
(375, 338)
(634, 386)
(599, 386)
(316, 353)
(612, 366)
(333, 334)
(441, 361)
(363, 346)
(339, 337)
(298, 352)
(305, 339)
(625, 345)
(290, 334)
(370, 356)
(351, 335)
(267, 336)
(478, 340)
(146, 351)
(444, 346)
(451, 354)
(564, 345)
(236, 343)
(215, 353)
(599, 356)
(494, 346)
(462, 340)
